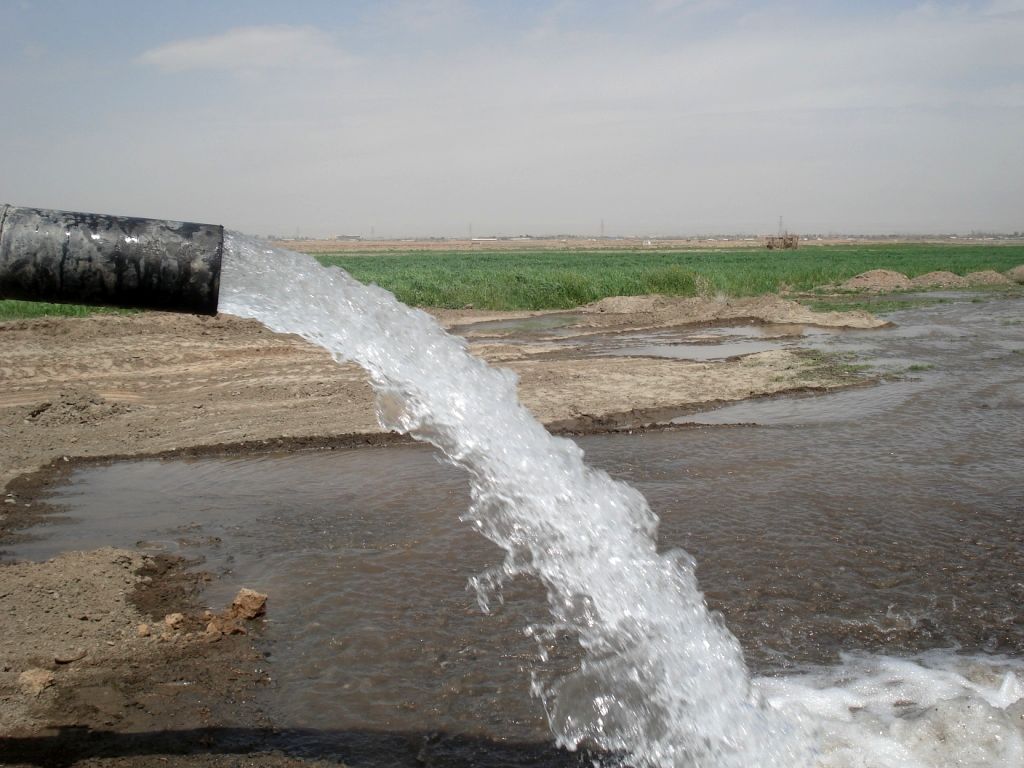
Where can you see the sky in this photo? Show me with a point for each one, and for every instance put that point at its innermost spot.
(398, 118)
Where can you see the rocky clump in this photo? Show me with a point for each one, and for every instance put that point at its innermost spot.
(34, 681)
(247, 606)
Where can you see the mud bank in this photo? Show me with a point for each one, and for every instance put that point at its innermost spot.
(80, 682)
(151, 383)
(105, 662)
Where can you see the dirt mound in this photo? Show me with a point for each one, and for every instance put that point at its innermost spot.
(665, 311)
(987, 277)
(877, 281)
(939, 280)
(621, 305)
(1016, 274)
(75, 406)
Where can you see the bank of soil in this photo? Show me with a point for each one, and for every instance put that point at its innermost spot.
(887, 280)
(91, 672)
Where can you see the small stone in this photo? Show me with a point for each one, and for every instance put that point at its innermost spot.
(248, 604)
(174, 620)
(35, 681)
(70, 656)
(144, 630)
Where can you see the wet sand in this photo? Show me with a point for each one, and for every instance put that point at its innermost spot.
(74, 390)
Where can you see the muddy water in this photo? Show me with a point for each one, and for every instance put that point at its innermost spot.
(884, 520)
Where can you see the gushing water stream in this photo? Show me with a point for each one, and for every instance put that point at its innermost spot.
(662, 681)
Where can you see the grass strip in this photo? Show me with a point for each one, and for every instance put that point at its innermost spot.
(565, 279)
(11, 309)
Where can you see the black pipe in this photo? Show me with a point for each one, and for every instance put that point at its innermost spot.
(117, 261)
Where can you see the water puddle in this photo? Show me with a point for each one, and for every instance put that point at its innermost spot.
(698, 343)
(543, 325)
(868, 564)
(663, 345)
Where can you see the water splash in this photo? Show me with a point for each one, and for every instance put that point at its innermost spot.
(662, 681)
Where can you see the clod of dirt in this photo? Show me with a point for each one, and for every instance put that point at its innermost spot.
(173, 621)
(248, 604)
(939, 280)
(144, 630)
(75, 406)
(224, 625)
(987, 277)
(34, 681)
(1016, 274)
(877, 281)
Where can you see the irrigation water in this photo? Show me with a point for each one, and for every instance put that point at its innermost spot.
(661, 682)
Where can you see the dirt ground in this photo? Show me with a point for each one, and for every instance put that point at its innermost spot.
(106, 657)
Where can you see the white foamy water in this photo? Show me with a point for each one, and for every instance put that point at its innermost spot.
(662, 681)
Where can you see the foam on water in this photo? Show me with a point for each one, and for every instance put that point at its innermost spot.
(931, 711)
(662, 681)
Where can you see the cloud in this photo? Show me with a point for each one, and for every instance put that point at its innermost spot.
(420, 119)
(249, 49)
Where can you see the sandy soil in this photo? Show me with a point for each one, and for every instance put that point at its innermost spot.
(939, 280)
(987, 277)
(80, 683)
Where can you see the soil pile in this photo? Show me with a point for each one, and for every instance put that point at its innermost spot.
(877, 281)
(667, 311)
(987, 277)
(939, 280)
(76, 406)
(1016, 274)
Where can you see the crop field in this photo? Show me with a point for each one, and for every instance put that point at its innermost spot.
(565, 279)
(19, 310)
(568, 278)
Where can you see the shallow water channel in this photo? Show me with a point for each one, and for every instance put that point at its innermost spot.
(884, 520)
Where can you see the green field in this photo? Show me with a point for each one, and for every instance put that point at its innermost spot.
(566, 279)
(18, 310)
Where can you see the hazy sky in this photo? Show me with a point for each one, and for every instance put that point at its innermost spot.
(535, 116)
